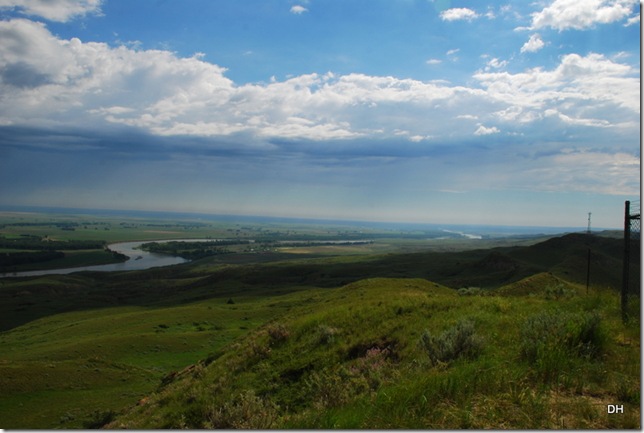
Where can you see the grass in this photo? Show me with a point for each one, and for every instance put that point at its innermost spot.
(375, 373)
(86, 361)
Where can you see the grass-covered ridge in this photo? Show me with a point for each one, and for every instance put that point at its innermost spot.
(354, 358)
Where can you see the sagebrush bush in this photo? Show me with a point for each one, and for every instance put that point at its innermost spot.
(455, 342)
(245, 411)
(470, 291)
(558, 291)
(278, 333)
(561, 332)
(326, 334)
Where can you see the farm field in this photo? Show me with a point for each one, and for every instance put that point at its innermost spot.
(319, 336)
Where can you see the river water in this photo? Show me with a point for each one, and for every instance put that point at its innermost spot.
(139, 260)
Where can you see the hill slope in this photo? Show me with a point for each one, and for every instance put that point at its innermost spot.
(397, 353)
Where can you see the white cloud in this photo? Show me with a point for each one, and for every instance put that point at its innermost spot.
(495, 63)
(490, 14)
(483, 130)
(46, 81)
(458, 14)
(575, 14)
(533, 45)
(54, 10)
(434, 62)
(590, 87)
(298, 9)
(632, 21)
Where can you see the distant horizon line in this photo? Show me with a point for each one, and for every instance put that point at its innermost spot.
(165, 213)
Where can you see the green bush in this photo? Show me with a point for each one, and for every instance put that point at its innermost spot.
(326, 334)
(277, 333)
(558, 291)
(245, 411)
(470, 291)
(553, 342)
(332, 387)
(572, 333)
(456, 342)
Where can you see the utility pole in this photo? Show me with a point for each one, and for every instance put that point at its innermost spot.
(627, 258)
(588, 263)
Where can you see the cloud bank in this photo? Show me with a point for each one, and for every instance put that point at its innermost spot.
(47, 81)
(572, 14)
(58, 10)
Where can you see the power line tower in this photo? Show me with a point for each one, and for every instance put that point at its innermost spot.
(588, 231)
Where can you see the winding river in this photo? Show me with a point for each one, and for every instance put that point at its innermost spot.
(139, 260)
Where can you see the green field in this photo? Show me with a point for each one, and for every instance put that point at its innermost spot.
(384, 335)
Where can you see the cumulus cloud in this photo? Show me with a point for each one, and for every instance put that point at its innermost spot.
(495, 63)
(49, 82)
(298, 9)
(580, 87)
(458, 14)
(632, 21)
(533, 44)
(483, 130)
(53, 10)
(573, 14)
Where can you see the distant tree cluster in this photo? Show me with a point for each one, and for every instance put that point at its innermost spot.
(36, 243)
(191, 250)
(28, 257)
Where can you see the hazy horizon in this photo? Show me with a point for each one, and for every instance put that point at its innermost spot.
(389, 225)
(506, 113)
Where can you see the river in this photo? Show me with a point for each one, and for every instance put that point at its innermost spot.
(139, 260)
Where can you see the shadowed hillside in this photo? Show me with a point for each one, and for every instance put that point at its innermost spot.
(27, 299)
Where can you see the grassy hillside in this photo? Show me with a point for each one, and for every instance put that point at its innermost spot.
(381, 341)
(409, 353)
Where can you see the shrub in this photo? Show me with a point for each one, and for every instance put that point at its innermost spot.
(326, 334)
(558, 291)
(333, 387)
(277, 333)
(551, 341)
(456, 342)
(572, 333)
(470, 291)
(245, 411)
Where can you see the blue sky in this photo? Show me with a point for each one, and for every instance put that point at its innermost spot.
(438, 111)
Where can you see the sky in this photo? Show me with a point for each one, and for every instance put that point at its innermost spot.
(506, 112)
